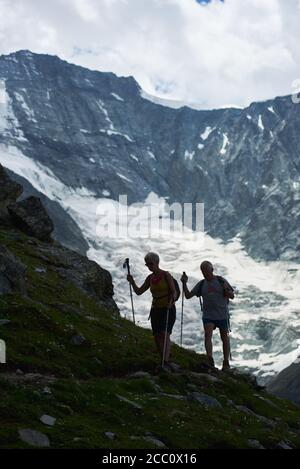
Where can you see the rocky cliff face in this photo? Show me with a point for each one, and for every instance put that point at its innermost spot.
(65, 231)
(30, 217)
(96, 131)
(287, 384)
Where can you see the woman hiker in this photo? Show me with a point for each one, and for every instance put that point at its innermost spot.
(163, 291)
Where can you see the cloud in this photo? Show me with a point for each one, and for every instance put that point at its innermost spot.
(221, 53)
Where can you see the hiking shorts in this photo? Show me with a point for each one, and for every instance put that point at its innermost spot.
(222, 324)
(159, 317)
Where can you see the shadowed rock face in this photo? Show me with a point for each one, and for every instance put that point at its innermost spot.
(85, 274)
(287, 383)
(66, 231)
(30, 216)
(12, 273)
(9, 191)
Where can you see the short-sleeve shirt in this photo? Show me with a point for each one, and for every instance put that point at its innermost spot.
(215, 305)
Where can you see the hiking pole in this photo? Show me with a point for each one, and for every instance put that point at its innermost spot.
(229, 330)
(126, 264)
(181, 319)
(165, 341)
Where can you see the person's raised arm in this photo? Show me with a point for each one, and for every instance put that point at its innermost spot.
(187, 293)
(136, 289)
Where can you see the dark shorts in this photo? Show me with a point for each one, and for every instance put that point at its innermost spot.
(159, 317)
(222, 324)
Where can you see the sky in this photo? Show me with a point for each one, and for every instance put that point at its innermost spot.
(211, 53)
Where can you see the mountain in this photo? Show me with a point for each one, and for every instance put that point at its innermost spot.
(95, 131)
(287, 383)
(78, 375)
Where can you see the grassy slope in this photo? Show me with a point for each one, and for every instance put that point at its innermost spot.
(85, 380)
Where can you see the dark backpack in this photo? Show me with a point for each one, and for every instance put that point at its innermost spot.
(176, 288)
(221, 281)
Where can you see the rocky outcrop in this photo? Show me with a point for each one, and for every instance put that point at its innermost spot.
(287, 383)
(12, 273)
(66, 231)
(82, 272)
(30, 216)
(9, 192)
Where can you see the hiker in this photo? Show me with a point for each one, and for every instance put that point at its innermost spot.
(215, 291)
(163, 291)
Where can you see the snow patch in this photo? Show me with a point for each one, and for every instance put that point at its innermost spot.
(117, 97)
(260, 123)
(9, 124)
(200, 146)
(202, 170)
(207, 132)
(225, 144)
(271, 109)
(92, 160)
(134, 157)
(124, 177)
(249, 117)
(115, 132)
(189, 155)
(29, 112)
(151, 155)
(104, 110)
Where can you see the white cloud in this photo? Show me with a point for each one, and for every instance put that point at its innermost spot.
(233, 52)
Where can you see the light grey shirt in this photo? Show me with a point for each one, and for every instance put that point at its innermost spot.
(215, 305)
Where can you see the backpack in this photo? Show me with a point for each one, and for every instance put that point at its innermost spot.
(176, 288)
(221, 281)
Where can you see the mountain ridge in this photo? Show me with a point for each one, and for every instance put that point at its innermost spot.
(92, 128)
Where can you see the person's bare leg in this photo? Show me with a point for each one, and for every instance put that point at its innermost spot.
(208, 331)
(226, 347)
(159, 340)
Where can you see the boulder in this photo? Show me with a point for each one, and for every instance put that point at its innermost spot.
(48, 420)
(81, 271)
(12, 273)
(30, 216)
(9, 192)
(204, 399)
(34, 438)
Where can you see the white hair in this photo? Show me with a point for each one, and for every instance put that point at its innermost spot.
(152, 256)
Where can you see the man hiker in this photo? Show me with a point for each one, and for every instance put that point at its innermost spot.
(215, 291)
(163, 291)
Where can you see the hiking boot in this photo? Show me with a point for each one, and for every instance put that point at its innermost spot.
(210, 361)
(166, 368)
(226, 365)
(172, 366)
